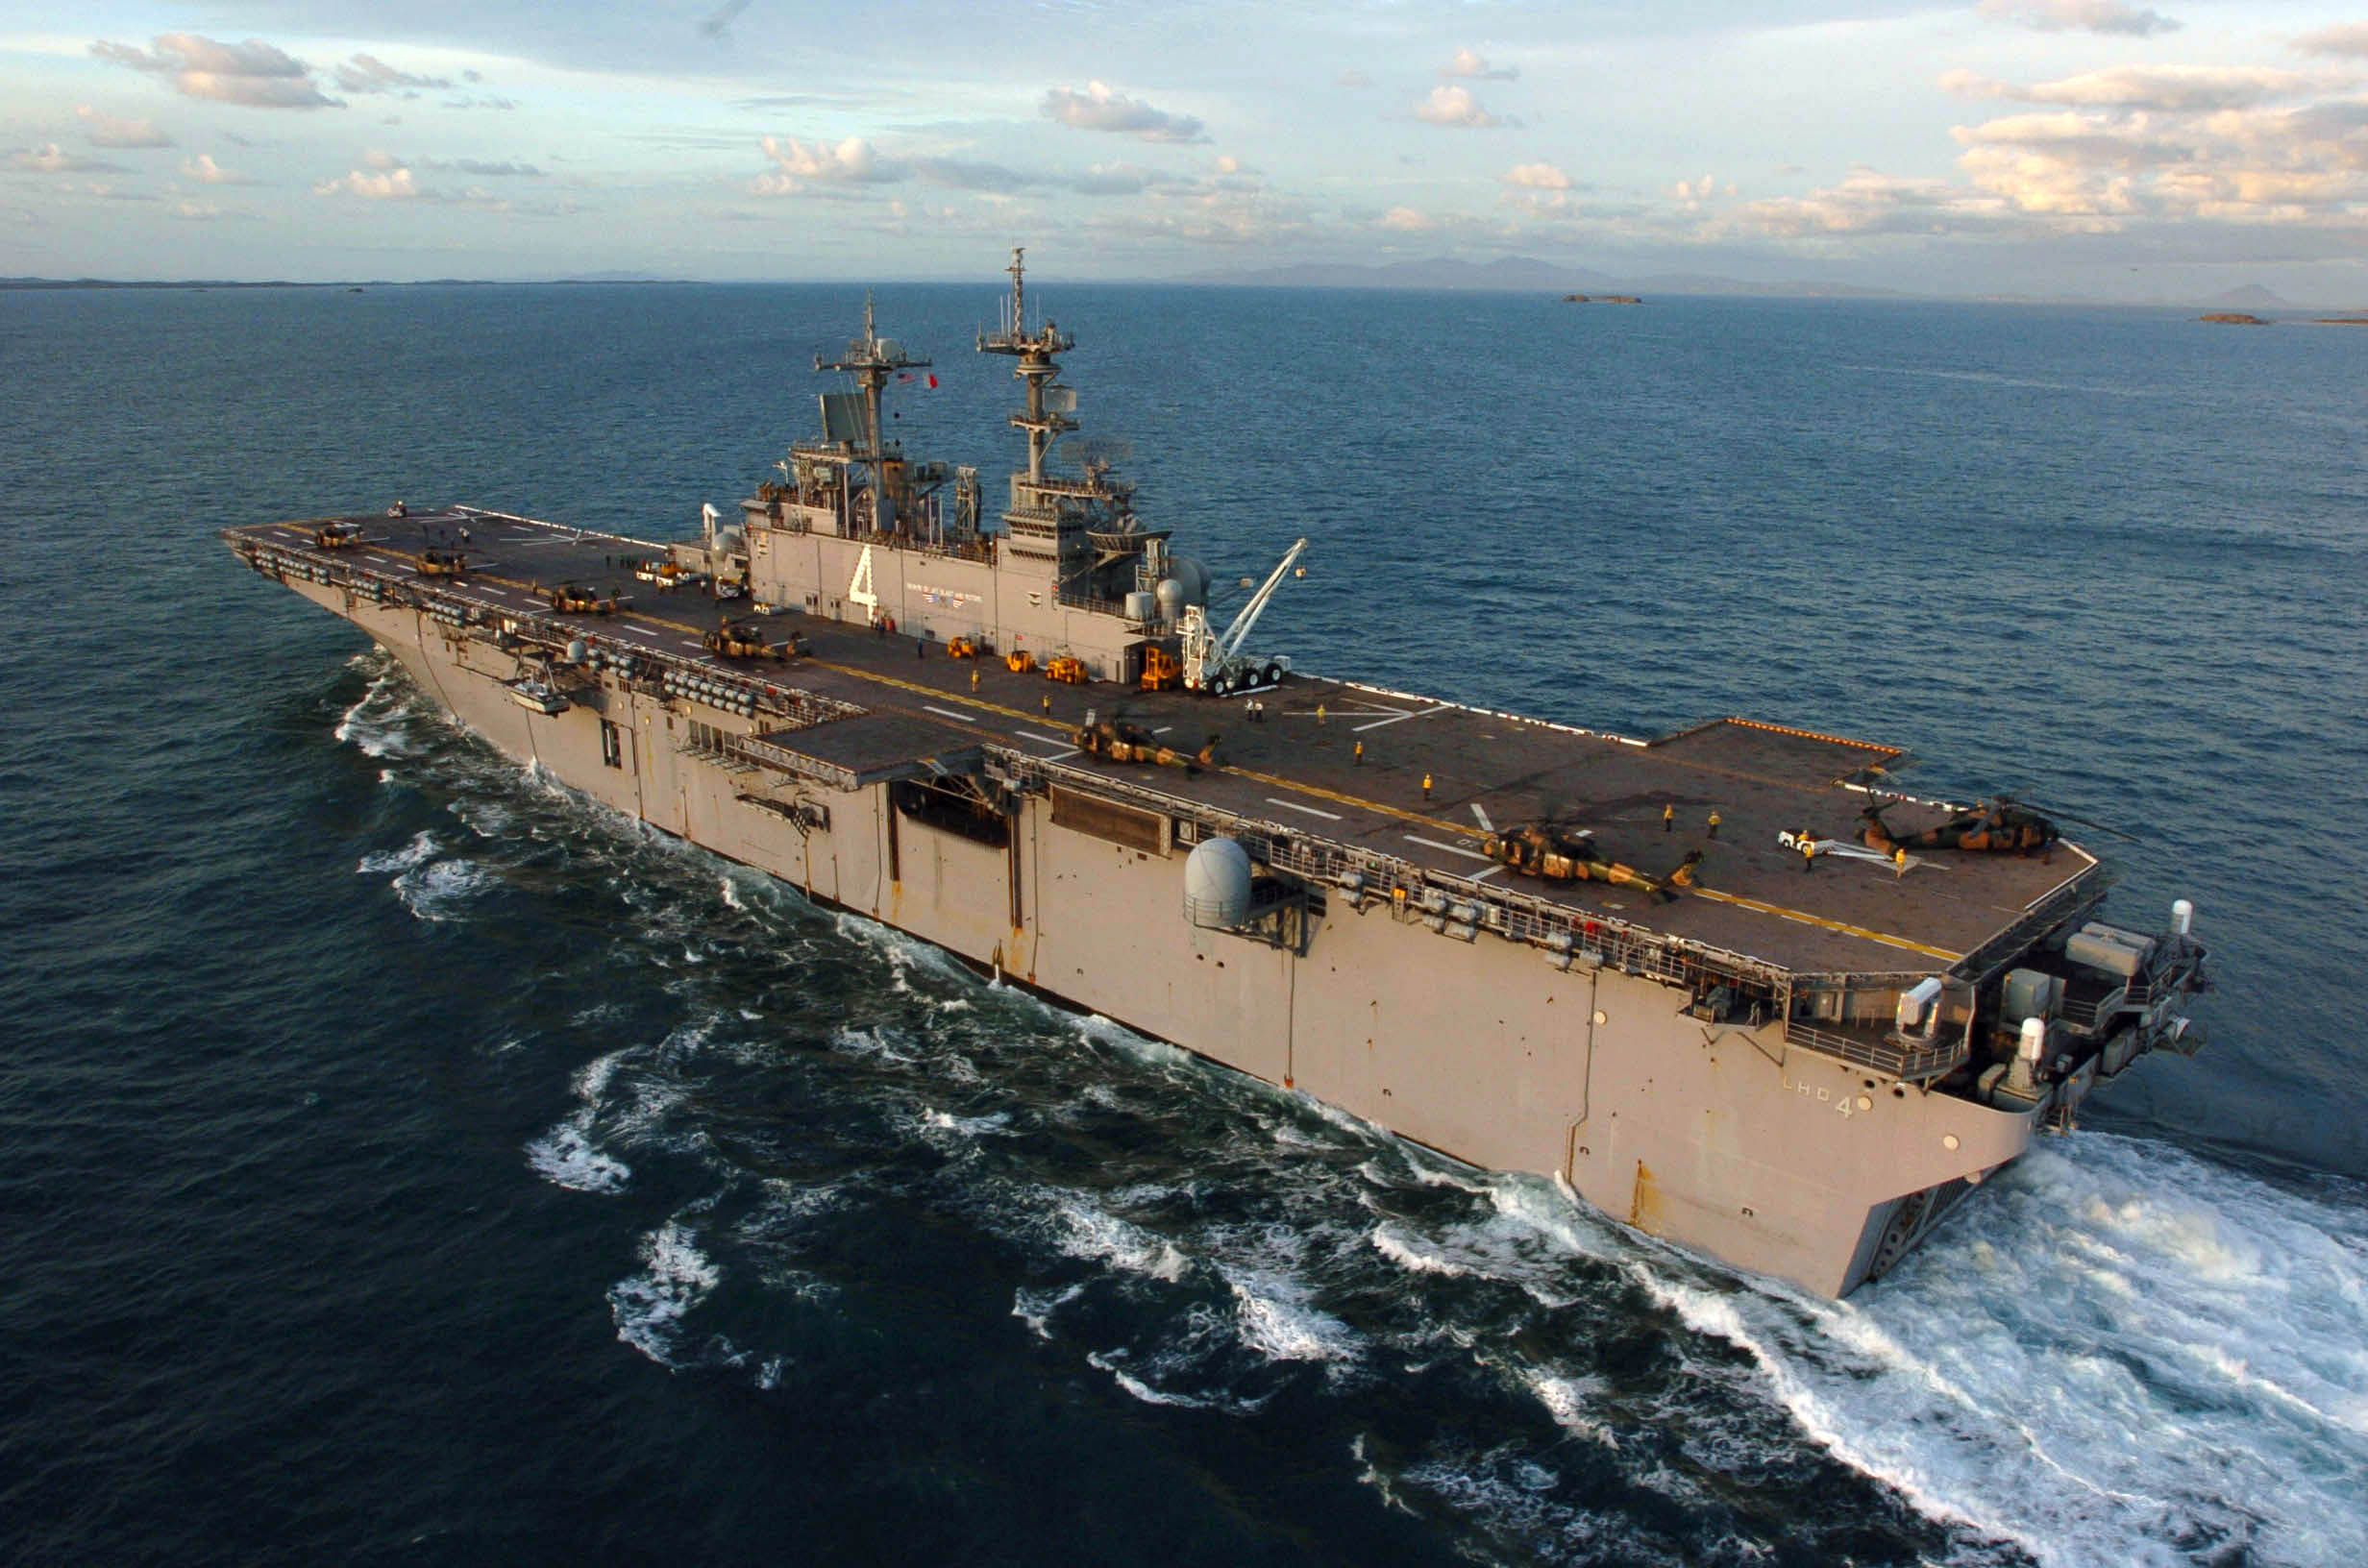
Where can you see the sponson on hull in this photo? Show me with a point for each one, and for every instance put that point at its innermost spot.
(1727, 985)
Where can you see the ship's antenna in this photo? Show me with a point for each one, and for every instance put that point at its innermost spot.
(872, 359)
(1038, 364)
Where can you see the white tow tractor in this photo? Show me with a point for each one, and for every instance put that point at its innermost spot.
(1215, 662)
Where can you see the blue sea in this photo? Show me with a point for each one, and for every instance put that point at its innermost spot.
(403, 1160)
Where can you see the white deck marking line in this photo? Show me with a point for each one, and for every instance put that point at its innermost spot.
(949, 713)
(1424, 713)
(1062, 756)
(1032, 735)
(1482, 817)
(1450, 848)
(1293, 805)
(1162, 729)
(1483, 876)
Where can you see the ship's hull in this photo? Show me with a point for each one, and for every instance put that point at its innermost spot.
(1710, 1135)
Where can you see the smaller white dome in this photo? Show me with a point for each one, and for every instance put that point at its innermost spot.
(1217, 884)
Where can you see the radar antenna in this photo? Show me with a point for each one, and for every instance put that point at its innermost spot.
(870, 359)
(1038, 364)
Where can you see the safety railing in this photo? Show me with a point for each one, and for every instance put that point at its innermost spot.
(1890, 1055)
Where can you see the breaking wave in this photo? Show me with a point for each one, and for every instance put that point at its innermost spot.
(378, 723)
(442, 889)
(649, 1307)
(2123, 1354)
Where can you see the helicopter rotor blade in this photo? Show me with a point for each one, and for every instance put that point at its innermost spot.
(2102, 827)
(2007, 798)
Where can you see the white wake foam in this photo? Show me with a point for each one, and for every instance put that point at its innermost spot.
(423, 845)
(1081, 1230)
(2118, 1353)
(1278, 1320)
(382, 722)
(649, 1307)
(442, 889)
(566, 1156)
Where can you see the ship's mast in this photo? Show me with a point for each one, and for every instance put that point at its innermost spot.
(1035, 350)
(871, 360)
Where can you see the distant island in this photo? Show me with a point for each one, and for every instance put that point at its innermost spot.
(2233, 318)
(2341, 321)
(1601, 299)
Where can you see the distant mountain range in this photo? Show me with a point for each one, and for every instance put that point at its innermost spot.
(1520, 275)
(2250, 297)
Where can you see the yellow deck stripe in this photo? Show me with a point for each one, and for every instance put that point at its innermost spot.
(1318, 792)
(1458, 829)
(1824, 924)
(915, 686)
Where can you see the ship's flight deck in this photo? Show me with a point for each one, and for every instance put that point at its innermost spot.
(1395, 774)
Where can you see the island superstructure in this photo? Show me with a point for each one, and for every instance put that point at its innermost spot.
(1728, 986)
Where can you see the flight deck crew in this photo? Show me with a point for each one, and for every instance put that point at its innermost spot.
(1714, 822)
(1669, 818)
(1809, 851)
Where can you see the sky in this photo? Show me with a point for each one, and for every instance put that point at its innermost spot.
(2114, 149)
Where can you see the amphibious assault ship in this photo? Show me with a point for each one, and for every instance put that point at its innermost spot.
(1727, 985)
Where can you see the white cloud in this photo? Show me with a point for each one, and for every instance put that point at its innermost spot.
(204, 171)
(1405, 220)
(800, 164)
(102, 192)
(367, 73)
(107, 131)
(2190, 145)
(1454, 106)
(1867, 201)
(1694, 192)
(50, 158)
(1537, 177)
(1098, 109)
(1475, 67)
(395, 184)
(2081, 16)
(252, 73)
(2166, 88)
(483, 168)
(206, 211)
(2349, 41)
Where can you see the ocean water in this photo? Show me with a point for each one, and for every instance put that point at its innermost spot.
(403, 1160)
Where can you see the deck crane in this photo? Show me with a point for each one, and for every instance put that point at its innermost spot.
(1215, 663)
